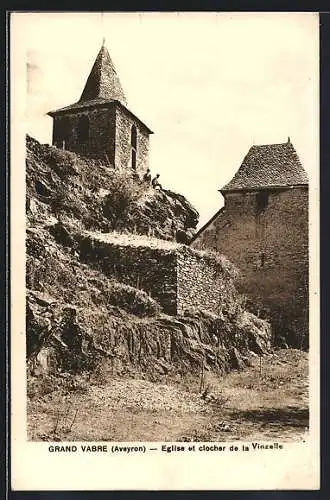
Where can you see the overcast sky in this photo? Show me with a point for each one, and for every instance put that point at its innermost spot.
(209, 85)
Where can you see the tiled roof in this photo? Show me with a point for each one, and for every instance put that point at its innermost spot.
(103, 81)
(82, 105)
(102, 88)
(270, 165)
(102, 85)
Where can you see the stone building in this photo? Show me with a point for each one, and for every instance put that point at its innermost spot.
(263, 229)
(100, 125)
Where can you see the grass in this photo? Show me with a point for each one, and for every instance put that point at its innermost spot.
(133, 240)
(267, 403)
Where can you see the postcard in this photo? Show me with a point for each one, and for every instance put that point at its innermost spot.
(164, 251)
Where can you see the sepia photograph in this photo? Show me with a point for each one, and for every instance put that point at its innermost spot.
(170, 177)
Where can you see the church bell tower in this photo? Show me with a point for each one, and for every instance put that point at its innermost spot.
(100, 125)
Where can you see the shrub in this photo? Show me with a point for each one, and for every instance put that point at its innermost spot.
(124, 191)
(220, 261)
(61, 158)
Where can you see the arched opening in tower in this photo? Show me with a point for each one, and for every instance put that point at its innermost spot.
(83, 129)
(62, 132)
(133, 146)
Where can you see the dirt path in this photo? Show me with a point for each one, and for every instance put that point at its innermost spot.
(268, 401)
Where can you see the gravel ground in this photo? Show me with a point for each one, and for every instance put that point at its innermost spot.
(267, 404)
(146, 395)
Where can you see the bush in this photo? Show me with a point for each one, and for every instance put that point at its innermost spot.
(124, 191)
(38, 387)
(61, 158)
(220, 261)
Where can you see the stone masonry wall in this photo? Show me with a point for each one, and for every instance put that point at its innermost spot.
(109, 133)
(270, 247)
(124, 125)
(202, 284)
(149, 269)
(101, 132)
(178, 279)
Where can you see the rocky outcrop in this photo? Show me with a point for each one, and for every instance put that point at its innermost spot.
(68, 338)
(73, 188)
(78, 315)
(177, 216)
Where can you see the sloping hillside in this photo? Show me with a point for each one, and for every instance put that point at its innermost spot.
(77, 318)
(94, 196)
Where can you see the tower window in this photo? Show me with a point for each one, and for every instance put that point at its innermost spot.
(61, 131)
(133, 146)
(83, 129)
(262, 200)
(133, 159)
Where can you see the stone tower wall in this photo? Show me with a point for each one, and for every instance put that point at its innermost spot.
(124, 124)
(101, 137)
(109, 133)
(270, 247)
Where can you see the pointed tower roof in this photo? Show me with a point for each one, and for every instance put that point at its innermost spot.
(269, 165)
(102, 88)
(103, 81)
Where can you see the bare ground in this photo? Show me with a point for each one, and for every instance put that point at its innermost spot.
(268, 401)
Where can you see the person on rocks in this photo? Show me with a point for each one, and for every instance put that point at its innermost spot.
(136, 177)
(155, 183)
(147, 177)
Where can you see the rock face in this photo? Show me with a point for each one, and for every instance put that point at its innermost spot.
(80, 314)
(69, 338)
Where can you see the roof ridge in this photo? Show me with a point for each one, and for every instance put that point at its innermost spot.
(99, 71)
(103, 81)
(286, 143)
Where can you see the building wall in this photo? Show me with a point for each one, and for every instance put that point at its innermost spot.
(124, 124)
(101, 137)
(109, 132)
(177, 279)
(148, 269)
(270, 247)
(202, 284)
